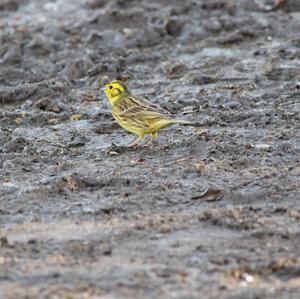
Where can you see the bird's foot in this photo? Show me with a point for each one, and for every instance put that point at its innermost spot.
(149, 142)
(153, 136)
(135, 143)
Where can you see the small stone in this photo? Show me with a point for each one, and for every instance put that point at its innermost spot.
(76, 117)
(174, 27)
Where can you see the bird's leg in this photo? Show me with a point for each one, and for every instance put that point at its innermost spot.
(153, 136)
(150, 141)
(137, 141)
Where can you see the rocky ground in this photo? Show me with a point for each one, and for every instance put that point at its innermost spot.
(206, 212)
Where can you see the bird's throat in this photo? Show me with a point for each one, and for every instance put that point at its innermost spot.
(114, 100)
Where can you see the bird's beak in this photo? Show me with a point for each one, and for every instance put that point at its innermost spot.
(103, 88)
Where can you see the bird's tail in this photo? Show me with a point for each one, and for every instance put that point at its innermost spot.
(185, 122)
(163, 123)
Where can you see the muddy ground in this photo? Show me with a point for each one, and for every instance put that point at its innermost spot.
(207, 212)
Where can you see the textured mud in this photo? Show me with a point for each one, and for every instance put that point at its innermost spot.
(207, 212)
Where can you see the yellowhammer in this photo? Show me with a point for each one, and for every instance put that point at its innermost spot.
(136, 114)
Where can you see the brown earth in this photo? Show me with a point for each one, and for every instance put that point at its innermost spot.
(207, 212)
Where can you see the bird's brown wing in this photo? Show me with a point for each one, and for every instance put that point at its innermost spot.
(144, 108)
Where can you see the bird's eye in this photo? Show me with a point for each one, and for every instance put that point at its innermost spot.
(110, 87)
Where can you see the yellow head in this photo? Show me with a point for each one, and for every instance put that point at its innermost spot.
(115, 90)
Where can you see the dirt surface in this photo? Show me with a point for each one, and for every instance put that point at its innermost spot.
(207, 212)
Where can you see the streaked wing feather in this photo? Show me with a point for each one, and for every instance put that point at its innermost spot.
(143, 108)
(153, 106)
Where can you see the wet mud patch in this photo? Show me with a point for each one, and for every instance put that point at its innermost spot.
(210, 210)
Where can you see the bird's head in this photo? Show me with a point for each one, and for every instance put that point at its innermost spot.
(115, 90)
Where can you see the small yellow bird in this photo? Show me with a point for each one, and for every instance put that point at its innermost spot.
(136, 114)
